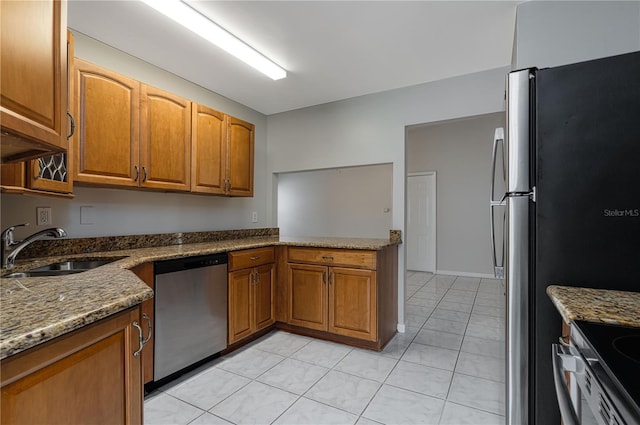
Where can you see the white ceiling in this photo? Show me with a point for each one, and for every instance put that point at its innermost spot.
(332, 50)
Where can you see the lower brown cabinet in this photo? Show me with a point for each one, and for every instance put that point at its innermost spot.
(336, 299)
(251, 286)
(344, 293)
(87, 376)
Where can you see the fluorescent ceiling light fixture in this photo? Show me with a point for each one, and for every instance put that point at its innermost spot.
(210, 31)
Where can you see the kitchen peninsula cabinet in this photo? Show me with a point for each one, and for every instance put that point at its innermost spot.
(344, 293)
(33, 109)
(251, 292)
(87, 376)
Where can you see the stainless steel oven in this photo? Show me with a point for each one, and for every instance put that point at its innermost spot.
(604, 364)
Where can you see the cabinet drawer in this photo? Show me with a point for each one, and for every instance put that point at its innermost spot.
(334, 257)
(251, 258)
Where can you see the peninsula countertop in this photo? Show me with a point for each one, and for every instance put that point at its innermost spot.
(37, 309)
(596, 305)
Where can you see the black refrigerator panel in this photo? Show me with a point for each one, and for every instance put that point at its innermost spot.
(587, 206)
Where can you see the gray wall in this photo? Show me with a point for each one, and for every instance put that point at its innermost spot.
(343, 202)
(460, 152)
(371, 130)
(552, 33)
(124, 212)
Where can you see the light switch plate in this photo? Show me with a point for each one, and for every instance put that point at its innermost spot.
(87, 215)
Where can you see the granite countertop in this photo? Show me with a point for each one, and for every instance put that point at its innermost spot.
(596, 305)
(37, 309)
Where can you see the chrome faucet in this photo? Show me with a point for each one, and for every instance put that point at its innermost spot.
(17, 246)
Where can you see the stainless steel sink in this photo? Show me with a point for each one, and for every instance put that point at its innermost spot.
(71, 266)
(42, 273)
(75, 265)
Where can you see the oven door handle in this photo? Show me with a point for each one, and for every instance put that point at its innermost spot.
(561, 356)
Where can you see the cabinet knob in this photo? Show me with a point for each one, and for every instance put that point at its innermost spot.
(327, 258)
(135, 167)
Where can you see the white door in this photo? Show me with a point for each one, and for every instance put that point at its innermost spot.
(421, 222)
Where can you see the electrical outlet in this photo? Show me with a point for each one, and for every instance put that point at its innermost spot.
(254, 217)
(43, 215)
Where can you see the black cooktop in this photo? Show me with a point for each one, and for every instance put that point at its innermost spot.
(618, 350)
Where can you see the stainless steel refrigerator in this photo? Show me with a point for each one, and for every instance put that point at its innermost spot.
(569, 161)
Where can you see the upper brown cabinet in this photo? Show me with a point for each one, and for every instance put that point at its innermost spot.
(240, 157)
(106, 107)
(130, 134)
(135, 135)
(47, 175)
(222, 153)
(165, 140)
(208, 150)
(33, 63)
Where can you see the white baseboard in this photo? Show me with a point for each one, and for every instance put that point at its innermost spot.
(401, 328)
(466, 274)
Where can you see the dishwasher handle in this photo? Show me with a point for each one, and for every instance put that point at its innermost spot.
(190, 263)
(196, 264)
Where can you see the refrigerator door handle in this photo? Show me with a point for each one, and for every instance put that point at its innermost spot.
(498, 140)
(498, 269)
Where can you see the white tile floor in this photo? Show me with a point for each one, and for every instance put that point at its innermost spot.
(448, 368)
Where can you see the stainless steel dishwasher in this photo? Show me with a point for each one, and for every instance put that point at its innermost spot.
(190, 311)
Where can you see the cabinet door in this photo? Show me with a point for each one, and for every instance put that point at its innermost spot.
(165, 149)
(240, 157)
(33, 61)
(51, 173)
(352, 303)
(308, 296)
(12, 175)
(264, 311)
(208, 150)
(54, 173)
(107, 114)
(88, 376)
(240, 304)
